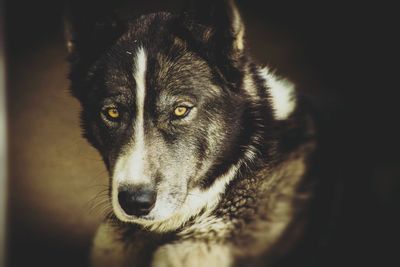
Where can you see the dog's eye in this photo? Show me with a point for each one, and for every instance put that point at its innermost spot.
(181, 111)
(112, 113)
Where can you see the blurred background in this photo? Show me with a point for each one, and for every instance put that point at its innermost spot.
(338, 52)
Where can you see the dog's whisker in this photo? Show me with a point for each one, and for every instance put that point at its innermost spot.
(102, 208)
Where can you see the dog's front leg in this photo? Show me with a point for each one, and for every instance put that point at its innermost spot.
(107, 250)
(193, 254)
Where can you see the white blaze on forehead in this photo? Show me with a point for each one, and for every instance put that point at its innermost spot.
(130, 166)
(140, 78)
(282, 94)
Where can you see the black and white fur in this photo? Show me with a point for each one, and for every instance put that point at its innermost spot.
(230, 177)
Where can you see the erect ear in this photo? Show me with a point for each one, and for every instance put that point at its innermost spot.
(217, 28)
(90, 28)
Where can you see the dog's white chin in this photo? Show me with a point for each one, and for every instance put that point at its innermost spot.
(159, 214)
(164, 217)
(145, 221)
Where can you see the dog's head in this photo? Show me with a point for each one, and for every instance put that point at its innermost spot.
(161, 102)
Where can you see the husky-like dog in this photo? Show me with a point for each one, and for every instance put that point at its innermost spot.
(207, 152)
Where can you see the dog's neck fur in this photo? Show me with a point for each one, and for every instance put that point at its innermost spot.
(264, 202)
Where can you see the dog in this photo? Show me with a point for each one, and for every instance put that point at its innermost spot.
(208, 153)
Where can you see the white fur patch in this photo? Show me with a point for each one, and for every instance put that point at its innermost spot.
(282, 94)
(137, 156)
(129, 168)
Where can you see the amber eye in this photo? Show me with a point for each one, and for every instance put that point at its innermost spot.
(112, 113)
(181, 111)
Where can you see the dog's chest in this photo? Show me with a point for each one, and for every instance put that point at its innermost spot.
(255, 212)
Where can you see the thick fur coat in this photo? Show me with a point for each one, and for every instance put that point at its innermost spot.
(217, 146)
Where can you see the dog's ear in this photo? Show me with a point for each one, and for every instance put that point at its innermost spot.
(90, 28)
(217, 26)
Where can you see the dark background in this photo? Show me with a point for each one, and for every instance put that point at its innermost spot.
(338, 53)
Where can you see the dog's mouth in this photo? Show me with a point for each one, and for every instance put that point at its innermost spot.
(173, 208)
(146, 211)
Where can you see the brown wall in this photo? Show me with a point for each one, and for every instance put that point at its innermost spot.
(54, 174)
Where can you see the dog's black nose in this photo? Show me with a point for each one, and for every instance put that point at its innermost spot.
(138, 202)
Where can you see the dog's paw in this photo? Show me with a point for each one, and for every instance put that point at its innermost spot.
(193, 254)
(106, 250)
